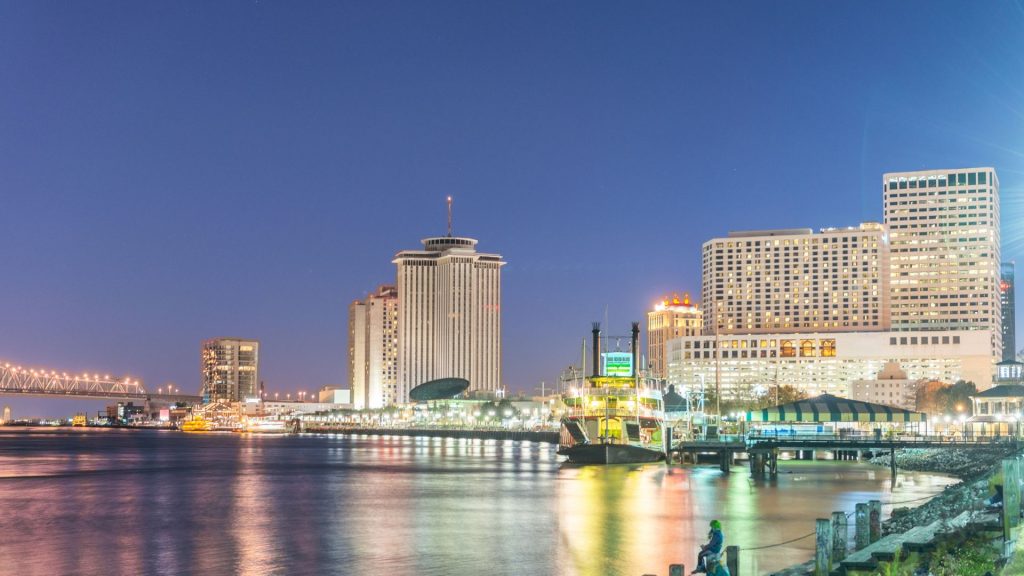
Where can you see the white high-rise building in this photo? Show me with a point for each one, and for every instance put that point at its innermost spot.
(778, 281)
(357, 353)
(373, 349)
(449, 314)
(944, 235)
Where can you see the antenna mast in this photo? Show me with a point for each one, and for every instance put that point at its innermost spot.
(449, 216)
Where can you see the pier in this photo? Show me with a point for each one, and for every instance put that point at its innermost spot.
(763, 451)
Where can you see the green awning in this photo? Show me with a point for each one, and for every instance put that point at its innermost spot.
(829, 408)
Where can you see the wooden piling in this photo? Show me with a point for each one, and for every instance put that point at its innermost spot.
(875, 519)
(823, 547)
(839, 536)
(732, 560)
(863, 530)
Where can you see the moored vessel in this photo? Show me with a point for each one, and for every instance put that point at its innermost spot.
(265, 427)
(196, 424)
(613, 417)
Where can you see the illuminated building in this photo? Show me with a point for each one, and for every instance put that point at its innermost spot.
(890, 387)
(944, 234)
(357, 353)
(826, 362)
(1009, 313)
(449, 314)
(230, 369)
(373, 349)
(671, 318)
(779, 281)
(335, 395)
(6, 418)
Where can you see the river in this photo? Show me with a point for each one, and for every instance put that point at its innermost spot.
(109, 501)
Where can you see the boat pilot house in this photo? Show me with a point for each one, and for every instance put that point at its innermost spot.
(829, 415)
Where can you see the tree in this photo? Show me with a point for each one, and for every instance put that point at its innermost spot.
(930, 397)
(785, 394)
(958, 397)
(937, 398)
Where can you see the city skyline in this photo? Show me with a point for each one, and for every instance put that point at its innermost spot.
(128, 203)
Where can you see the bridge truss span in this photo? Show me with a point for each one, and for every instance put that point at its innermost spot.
(18, 380)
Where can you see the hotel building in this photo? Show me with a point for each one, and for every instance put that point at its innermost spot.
(230, 369)
(788, 281)
(373, 349)
(944, 236)
(671, 318)
(826, 362)
(449, 315)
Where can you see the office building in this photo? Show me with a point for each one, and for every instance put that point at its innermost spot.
(782, 281)
(230, 369)
(373, 349)
(1009, 312)
(449, 314)
(825, 362)
(944, 242)
(671, 318)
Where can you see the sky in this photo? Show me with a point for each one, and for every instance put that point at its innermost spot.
(171, 172)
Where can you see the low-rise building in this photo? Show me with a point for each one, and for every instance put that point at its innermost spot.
(826, 363)
(997, 411)
(890, 387)
(335, 395)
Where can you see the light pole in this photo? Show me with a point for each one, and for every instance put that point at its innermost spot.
(718, 368)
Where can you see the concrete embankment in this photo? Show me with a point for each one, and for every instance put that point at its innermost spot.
(523, 435)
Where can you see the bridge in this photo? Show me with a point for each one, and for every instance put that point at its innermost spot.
(18, 381)
(764, 450)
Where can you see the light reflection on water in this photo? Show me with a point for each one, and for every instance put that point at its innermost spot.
(147, 502)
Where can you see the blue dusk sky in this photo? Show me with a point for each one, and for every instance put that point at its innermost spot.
(174, 171)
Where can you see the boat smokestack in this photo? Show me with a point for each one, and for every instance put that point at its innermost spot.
(636, 347)
(596, 331)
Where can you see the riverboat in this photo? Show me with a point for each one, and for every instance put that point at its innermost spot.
(196, 424)
(614, 417)
(79, 420)
(265, 427)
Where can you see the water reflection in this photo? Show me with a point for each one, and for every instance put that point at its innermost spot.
(115, 501)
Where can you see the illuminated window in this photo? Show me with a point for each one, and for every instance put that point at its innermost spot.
(807, 348)
(788, 349)
(828, 348)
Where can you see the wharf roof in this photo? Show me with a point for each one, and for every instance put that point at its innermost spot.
(829, 408)
(1002, 391)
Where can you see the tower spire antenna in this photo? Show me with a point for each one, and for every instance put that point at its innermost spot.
(449, 216)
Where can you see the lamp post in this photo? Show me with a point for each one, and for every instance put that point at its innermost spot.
(718, 367)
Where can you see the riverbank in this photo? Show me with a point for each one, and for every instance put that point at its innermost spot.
(973, 466)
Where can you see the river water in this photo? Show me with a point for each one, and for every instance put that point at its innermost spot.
(107, 501)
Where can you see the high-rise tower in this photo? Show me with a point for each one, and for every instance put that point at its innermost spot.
(778, 281)
(230, 369)
(449, 314)
(671, 318)
(1006, 297)
(373, 349)
(944, 237)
